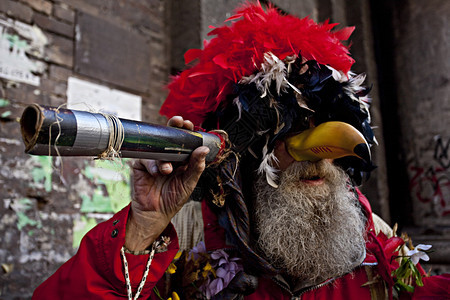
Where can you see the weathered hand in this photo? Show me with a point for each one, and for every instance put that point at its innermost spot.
(159, 192)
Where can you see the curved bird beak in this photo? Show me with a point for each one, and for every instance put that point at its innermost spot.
(328, 140)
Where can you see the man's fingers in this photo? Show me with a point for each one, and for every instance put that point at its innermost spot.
(194, 168)
(197, 164)
(178, 121)
(145, 165)
(153, 167)
(188, 125)
(140, 164)
(164, 168)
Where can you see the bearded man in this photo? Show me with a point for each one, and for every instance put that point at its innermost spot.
(318, 224)
(277, 215)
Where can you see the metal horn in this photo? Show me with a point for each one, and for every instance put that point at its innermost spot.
(55, 131)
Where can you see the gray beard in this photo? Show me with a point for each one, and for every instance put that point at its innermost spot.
(309, 232)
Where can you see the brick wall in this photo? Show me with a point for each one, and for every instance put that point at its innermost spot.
(48, 204)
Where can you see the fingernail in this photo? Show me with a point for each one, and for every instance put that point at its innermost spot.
(165, 168)
(154, 169)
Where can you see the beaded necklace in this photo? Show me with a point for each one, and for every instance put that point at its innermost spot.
(144, 278)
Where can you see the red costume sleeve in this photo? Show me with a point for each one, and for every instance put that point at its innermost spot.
(96, 271)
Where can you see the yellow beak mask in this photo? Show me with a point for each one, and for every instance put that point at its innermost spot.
(330, 140)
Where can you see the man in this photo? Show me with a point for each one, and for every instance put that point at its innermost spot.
(281, 216)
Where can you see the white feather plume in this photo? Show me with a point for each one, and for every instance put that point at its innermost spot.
(339, 76)
(354, 86)
(267, 167)
(271, 69)
(239, 107)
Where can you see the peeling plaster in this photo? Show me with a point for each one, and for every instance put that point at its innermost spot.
(6, 203)
(17, 41)
(4, 102)
(115, 176)
(100, 98)
(80, 228)
(6, 114)
(104, 189)
(99, 216)
(24, 220)
(22, 169)
(21, 207)
(10, 141)
(7, 219)
(24, 243)
(56, 217)
(42, 172)
(51, 256)
(97, 203)
(35, 36)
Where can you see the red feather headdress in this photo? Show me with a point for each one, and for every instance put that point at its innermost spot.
(238, 50)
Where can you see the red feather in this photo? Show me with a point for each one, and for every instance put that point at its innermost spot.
(191, 55)
(238, 50)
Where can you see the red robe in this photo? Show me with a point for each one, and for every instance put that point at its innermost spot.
(96, 271)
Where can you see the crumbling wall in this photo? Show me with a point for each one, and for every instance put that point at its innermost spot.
(51, 52)
(422, 67)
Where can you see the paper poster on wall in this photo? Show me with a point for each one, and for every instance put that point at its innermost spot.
(17, 40)
(84, 95)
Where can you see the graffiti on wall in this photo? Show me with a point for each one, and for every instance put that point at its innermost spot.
(431, 183)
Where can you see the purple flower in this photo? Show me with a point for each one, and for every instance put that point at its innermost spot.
(226, 269)
(220, 257)
(200, 248)
(212, 288)
(218, 254)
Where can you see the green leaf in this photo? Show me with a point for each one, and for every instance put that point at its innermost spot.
(155, 289)
(401, 286)
(417, 275)
(402, 271)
